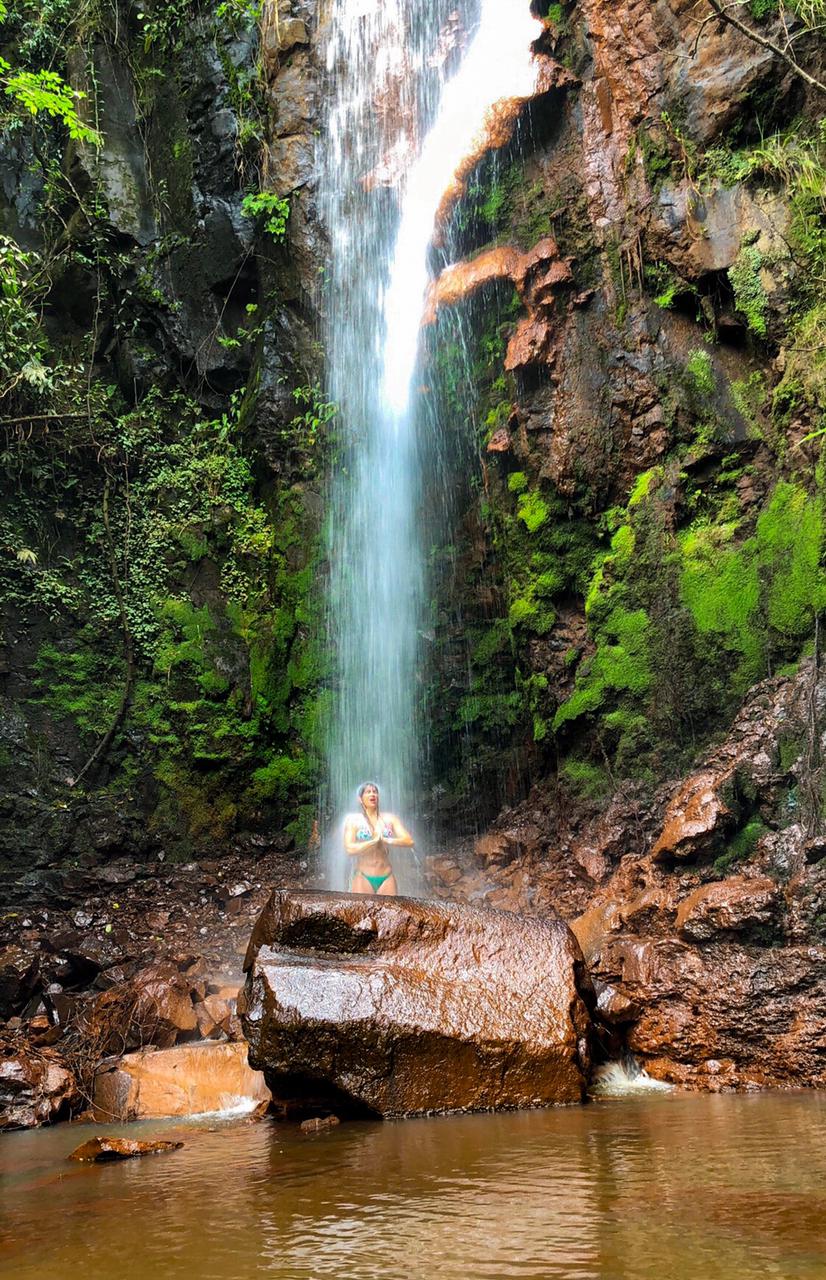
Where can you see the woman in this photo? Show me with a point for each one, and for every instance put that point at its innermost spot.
(368, 838)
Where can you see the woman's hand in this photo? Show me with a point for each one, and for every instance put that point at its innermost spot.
(401, 839)
(354, 847)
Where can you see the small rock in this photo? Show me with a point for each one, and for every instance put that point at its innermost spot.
(100, 1150)
(317, 1123)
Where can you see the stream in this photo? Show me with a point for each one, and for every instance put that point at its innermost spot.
(681, 1186)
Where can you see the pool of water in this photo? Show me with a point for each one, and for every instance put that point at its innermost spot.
(682, 1187)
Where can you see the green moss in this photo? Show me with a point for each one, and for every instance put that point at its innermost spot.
(741, 846)
(276, 779)
(749, 395)
(80, 685)
(804, 377)
(721, 588)
(749, 295)
(655, 149)
(643, 485)
(532, 510)
(790, 551)
(489, 711)
(622, 546)
(683, 625)
(791, 746)
(701, 372)
(585, 779)
(769, 583)
(517, 482)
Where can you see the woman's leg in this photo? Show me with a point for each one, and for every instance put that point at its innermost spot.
(360, 885)
(389, 886)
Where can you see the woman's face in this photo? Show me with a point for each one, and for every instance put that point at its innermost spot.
(370, 797)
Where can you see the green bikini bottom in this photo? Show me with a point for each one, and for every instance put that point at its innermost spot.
(376, 881)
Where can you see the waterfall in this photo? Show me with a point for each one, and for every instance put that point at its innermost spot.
(411, 83)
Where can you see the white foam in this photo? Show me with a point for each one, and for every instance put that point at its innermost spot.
(624, 1079)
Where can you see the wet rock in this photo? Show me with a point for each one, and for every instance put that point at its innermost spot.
(317, 1123)
(35, 1087)
(694, 819)
(734, 906)
(702, 233)
(191, 1079)
(214, 1014)
(498, 128)
(592, 928)
(536, 274)
(400, 1006)
(103, 1150)
(153, 1007)
(19, 971)
(759, 1011)
(614, 1006)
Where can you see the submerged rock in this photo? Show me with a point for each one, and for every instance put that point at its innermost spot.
(191, 1079)
(102, 1150)
(316, 1123)
(392, 1006)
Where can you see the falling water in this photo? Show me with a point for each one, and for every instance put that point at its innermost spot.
(411, 82)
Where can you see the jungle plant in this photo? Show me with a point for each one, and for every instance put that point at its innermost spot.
(318, 412)
(273, 211)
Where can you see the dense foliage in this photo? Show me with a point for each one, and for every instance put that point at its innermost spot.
(158, 596)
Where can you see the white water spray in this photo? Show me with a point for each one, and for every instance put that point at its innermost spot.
(497, 66)
(397, 76)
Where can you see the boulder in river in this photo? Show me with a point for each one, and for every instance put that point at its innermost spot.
(395, 1006)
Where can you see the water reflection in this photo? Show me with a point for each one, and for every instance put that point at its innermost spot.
(679, 1186)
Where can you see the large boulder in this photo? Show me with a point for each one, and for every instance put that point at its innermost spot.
(395, 1006)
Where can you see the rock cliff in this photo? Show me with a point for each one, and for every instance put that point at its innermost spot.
(626, 684)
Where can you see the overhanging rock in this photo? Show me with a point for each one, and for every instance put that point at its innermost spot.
(396, 1006)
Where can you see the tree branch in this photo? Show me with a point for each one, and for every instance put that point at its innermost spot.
(40, 417)
(724, 15)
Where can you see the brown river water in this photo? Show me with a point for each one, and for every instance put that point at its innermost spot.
(676, 1187)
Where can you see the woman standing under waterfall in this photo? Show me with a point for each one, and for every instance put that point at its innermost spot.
(368, 837)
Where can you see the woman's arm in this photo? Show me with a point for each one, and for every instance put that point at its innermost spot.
(352, 846)
(401, 839)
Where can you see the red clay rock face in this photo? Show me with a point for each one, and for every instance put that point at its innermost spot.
(712, 983)
(728, 1016)
(536, 274)
(693, 818)
(497, 130)
(398, 1006)
(732, 906)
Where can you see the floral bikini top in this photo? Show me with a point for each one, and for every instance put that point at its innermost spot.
(364, 833)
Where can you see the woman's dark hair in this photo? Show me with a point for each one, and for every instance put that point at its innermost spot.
(364, 787)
